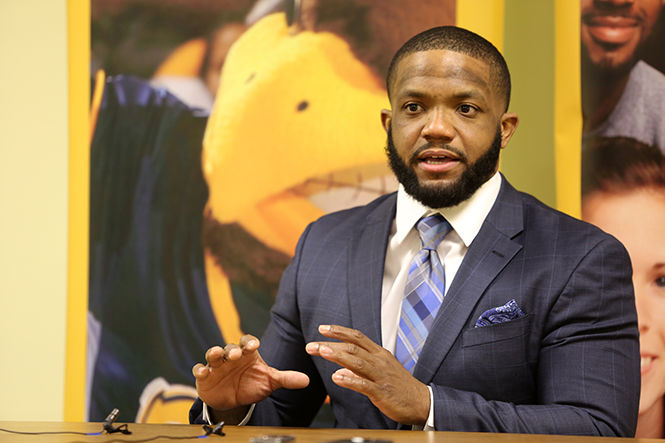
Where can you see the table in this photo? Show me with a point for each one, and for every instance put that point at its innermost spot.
(242, 434)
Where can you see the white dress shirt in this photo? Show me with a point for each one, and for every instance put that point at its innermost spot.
(404, 243)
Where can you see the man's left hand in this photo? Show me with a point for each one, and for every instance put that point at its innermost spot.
(372, 370)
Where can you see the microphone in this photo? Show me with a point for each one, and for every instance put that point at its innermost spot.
(108, 423)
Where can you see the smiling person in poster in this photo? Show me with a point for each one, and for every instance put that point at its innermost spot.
(621, 94)
(624, 194)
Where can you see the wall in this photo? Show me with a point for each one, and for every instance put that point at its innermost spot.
(33, 201)
(531, 63)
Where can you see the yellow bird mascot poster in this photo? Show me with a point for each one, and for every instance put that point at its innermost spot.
(205, 170)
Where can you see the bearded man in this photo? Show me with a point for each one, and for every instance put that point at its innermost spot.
(457, 303)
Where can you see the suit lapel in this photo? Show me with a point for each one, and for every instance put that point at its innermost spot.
(367, 255)
(490, 252)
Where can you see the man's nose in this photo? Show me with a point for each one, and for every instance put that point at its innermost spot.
(438, 126)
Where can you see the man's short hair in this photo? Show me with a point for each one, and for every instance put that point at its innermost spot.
(621, 164)
(459, 40)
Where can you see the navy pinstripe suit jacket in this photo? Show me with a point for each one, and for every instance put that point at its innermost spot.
(571, 365)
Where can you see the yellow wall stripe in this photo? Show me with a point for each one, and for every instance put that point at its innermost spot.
(96, 102)
(528, 160)
(78, 43)
(484, 17)
(567, 107)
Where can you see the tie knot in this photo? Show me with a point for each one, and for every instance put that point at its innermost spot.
(432, 230)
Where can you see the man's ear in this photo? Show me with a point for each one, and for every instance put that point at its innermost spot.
(386, 118)
(509, 122)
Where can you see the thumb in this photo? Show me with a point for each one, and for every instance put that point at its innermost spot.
(290, 379)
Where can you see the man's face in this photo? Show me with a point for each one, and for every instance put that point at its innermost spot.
(446, 126)
(613, 30)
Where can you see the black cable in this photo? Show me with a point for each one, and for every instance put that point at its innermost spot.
(110, 429)
(50, 432)
(168, 437)
(209, 430)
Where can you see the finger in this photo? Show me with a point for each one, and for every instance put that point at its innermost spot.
(232, 352)
(215, 356)
(249, 343)
(313, 348)
(335, 350)
(200, 372)
(347, 379)
(348, 335)
(289, 379)
(329, 350)
(347, 355)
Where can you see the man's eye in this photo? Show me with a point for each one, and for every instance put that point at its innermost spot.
(413, 107)
(466, 109)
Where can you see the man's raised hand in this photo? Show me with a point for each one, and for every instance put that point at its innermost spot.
(371, 370)
(236, 376)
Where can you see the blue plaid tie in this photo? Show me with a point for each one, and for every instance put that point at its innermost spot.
(425, 286)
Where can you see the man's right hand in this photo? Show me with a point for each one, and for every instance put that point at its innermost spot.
(236, 376)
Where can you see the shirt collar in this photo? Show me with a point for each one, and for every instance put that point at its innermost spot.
(465, 218)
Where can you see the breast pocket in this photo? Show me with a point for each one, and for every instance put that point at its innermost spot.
(502, 332)
(497, 357)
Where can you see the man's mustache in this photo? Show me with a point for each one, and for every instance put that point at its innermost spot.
(461, 156)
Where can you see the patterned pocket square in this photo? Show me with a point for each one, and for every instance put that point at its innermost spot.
(500, 314)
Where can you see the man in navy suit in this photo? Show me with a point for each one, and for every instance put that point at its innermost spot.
(537, 330)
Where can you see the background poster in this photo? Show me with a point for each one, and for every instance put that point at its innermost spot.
(623, 168)
(201, 185)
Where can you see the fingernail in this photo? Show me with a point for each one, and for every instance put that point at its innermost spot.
(251, 343)
(324, 328)
(337, 376)
(311, 347)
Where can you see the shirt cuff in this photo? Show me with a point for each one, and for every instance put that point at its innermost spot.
(206, 414)
(429, 424)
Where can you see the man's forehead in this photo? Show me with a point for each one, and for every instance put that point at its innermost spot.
(443, 64)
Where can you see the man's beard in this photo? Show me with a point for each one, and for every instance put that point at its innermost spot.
(442, 196)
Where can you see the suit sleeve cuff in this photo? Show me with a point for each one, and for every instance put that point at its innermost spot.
(207, 414)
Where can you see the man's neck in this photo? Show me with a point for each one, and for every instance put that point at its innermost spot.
(466, 218)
